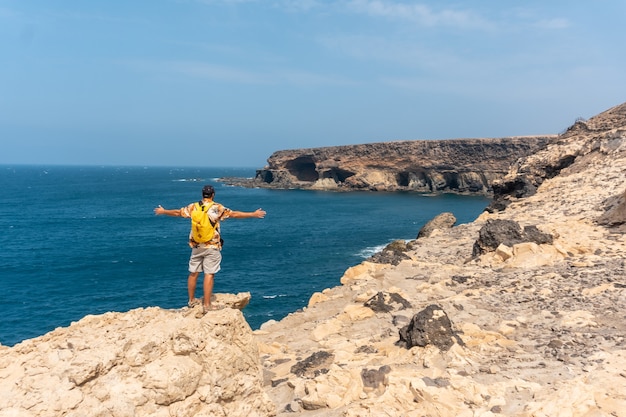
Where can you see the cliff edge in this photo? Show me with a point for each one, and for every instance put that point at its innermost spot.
(454, 165)
(145, 362)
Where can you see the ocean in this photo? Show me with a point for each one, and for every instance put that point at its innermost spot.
(80, 240)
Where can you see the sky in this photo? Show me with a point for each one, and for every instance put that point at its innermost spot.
(225, 83)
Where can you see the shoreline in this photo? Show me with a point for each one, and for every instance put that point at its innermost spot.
(254, 183)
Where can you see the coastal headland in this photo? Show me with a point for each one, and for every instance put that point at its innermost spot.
(426, 166)
(518, 313)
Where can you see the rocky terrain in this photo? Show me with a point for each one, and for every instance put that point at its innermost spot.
(460, 165)
(535, 294)
(519, 313)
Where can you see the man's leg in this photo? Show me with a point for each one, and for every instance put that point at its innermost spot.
(207, 287)
(192, 280)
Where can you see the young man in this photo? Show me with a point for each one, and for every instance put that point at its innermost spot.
(206, 256)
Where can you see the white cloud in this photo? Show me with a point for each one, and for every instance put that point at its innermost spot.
(419, 13)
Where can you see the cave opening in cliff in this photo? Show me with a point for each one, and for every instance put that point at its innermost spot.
(403, 179)
(303, 168)
(451, 180)
(337, 174)
(265, 175)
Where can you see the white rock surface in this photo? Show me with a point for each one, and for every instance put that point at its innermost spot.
(145, 362)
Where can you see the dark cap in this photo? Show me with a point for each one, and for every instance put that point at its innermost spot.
(208, 191)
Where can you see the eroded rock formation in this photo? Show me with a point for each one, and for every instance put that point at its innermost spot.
(585, 142)
(460, 165)
(146, 362)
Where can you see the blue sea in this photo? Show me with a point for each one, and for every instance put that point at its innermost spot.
(84, 240)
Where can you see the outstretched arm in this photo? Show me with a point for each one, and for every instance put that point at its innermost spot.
(160, 210)
(258, 214)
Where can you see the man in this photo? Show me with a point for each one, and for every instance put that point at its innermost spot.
(206, 256)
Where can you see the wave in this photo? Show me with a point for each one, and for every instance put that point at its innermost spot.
(369, 251)
(214, 180)
(189, 180)
(372, 250)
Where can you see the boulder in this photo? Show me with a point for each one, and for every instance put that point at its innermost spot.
(498, 232)
(615, 211)
(430, 326)
(441, 221)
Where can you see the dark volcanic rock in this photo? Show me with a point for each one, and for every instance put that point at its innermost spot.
(384, 302)
(533, 234)
(430, 326)
(507, 232)
(375, 378)
(615, 213)
(314, 365)
(393, 254)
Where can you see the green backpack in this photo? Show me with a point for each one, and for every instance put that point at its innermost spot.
(202, 228)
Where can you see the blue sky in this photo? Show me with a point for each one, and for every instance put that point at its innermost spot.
(228, 82)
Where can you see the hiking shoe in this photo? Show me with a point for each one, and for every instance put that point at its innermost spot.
(193, 303)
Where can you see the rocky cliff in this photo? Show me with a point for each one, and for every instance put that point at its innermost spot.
(463, 165)
(519, 313)
(146, 362)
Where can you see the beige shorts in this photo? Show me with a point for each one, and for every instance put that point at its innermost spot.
(205, 259)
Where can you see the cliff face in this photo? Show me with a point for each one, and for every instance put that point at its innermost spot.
(585, 142)
(462, 165)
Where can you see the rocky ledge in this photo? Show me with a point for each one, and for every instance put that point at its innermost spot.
(519, 313)
(455, 165)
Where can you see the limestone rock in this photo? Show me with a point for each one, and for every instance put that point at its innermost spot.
(145, 362)
(535, 328)
(238, 301)
(584, 142)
